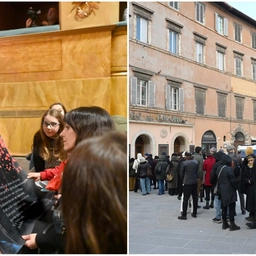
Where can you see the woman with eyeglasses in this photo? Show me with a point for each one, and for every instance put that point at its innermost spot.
(47, 148)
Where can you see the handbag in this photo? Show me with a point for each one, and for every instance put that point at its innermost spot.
(149, 172)
(215, 191)
(169, 177)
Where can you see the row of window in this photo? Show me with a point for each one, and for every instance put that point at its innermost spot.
(221, 23)
(143, 94)
(174, 39)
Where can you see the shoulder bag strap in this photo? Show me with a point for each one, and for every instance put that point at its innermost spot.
(220, 171)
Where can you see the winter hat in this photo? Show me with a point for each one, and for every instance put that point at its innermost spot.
(229, 147)
(249, 151)
(147, 154)
(139, 155)
(250, 156)
(188, 154)
(213, 149)
(142, 159)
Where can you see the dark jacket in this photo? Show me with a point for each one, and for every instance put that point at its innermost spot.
(213, 176)
(227, 182)
(200, 161)
(172, 169)
(248, 185)
(131, 170)
(163, 163)
(142, 169)
(189, 171)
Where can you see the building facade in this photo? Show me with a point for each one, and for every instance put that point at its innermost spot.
(192, 68)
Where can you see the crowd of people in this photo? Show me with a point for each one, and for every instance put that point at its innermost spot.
(83, 157)
(221, 178)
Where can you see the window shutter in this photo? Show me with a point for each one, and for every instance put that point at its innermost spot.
(225, 27)
(216, 21)
(134, 90)
(181, 99)
(167, 97)
(151, 94)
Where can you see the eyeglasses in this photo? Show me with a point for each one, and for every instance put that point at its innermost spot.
(50, 125)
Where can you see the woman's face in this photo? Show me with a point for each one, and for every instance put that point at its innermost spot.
(59, 108)
(51, 126)
(69, 138)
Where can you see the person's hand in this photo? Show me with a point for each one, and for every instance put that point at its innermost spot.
(34, 175)
(30, 241)
(28, 22)
(57, 196)
(45, 23)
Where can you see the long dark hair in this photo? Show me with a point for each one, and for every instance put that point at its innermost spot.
(94, 196)
(89, 121)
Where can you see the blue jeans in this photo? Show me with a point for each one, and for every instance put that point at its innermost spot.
(145, 185)
(160, 187)
(217, 205)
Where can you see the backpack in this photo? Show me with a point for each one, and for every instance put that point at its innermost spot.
(159, 168)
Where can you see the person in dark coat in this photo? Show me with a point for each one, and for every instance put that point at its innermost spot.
(172, 186)
(132, 175)
(213, 181)
(154, 163)
(248, 180)
(189, 175)
(142, 174)
(160, 172)
(149, 159)
(227, 190)
(181, 156)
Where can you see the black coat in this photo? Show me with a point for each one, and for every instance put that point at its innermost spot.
(227, 182)
(142, 169)
(248, 185)
(213, 176)
(163, 163)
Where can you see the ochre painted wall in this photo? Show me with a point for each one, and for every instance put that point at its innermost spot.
(76, 67)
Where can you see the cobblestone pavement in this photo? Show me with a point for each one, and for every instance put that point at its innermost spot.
(155, 229)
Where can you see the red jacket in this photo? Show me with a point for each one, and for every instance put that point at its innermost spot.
(54, 175)
(48, 174)
(207, 167)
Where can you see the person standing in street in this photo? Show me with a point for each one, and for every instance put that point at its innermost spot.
(135, 167)
(189, 174)
(199, 158)
(207, 168)
(160, 171)
(249, 188)
(237, 166)
(227, 190)
(142, 174)
(213, 181)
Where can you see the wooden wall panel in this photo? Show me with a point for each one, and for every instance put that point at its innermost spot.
(119, 96)
(119, 52)
(39, 56)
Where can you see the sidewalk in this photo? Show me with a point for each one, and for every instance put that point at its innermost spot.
(155, 229)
